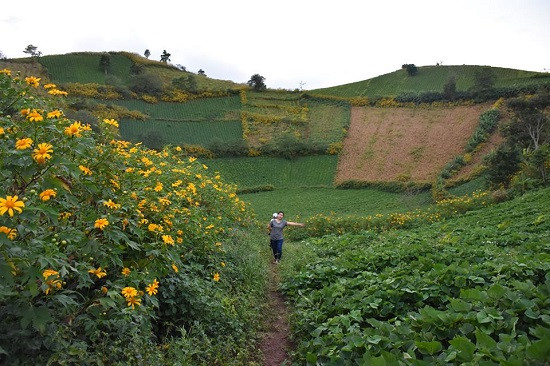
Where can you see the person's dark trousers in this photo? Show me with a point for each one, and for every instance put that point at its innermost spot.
(277, 248)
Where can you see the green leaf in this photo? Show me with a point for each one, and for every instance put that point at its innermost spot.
(460, 305)
(540, 350)
(485, 342)
(464, 347)
(311, 358)
(496, 291)
(429, 348)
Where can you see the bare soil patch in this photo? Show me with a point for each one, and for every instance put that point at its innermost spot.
(389, 144)
(276, 342)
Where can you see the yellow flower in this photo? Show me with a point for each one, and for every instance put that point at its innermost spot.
(10, 233)
(192, 159)
(216, 277)
(49, 86)
(111, 204)
(104, 289)
(1, 131)
(35, 116)
(49, 272)
(128, 292)
(54, 114)
(167, 239)
(126, 271)
(178, 148)
(175, 268)
(101, 223)
(152, 289)
(158, 187)
(132, 301)
(42, 153)
(98, 272)
(9, 204)
(57, 92)
(32, 81)
(47, 194)
(85, 170)
(5, 71)
(111, 122)
(22, 144)
(74, 129)
(223, 264)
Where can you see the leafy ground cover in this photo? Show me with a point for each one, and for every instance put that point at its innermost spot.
(473, 289)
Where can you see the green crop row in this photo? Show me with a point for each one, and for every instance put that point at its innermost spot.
(454, 292)
(156, 133)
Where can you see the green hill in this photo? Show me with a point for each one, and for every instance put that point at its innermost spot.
(432, 79)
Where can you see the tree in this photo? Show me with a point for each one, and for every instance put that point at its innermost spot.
(147, 53)
(2, 56)
(257, 82)
(201, 72)
(33, 51)
(530, 127)
(484, 79)
(449, 89)
(165, 57)
(146, 84)
(105, 63)
(187, 83)
(411, 69)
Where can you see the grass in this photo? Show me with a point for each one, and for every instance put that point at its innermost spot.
(84, 67)
(302, 203)
(179, 133)
(225, 108)
(306, 171)
(430, 78)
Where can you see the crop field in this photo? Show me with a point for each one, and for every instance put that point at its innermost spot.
(454, 292)
(179, 133)
(208, 109)
(430, 78)
(328, 122)
(306, 171)
(84, 68)
(302, 203)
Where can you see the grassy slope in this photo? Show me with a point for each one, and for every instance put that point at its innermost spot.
(430, 78)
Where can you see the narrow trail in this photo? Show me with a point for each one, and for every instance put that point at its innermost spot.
(276, 341)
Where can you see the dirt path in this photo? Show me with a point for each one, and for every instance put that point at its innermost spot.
(276, 341)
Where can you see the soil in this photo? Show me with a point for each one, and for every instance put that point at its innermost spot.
(389, 144)
(276, 341)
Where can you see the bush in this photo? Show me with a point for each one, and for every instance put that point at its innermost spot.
(108, 249)
(146, 84)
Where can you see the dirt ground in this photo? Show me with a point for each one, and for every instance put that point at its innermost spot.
(388, 144)
(275, 341)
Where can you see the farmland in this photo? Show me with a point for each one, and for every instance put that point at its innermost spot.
(430, 78)
(471, 289)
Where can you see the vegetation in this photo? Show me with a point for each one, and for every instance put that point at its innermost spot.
(111, 253)
(453, 292)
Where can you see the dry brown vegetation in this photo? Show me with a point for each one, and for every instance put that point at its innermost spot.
(405, 144)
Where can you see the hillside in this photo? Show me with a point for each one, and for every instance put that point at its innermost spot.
(402, 144)
(431, 79)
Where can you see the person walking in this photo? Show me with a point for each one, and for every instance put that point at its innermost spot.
(275, 228)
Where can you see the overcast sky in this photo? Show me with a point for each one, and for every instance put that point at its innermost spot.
(314, 43)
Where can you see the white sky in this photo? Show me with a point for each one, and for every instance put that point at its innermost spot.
(316, 42)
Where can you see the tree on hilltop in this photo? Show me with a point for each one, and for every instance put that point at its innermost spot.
(201, 72)
(147, 53)
(411, 69)
(165, 57)
(33, 51)
(257, 82)
(105, 63)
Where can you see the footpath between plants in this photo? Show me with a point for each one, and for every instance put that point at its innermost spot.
(275, 342)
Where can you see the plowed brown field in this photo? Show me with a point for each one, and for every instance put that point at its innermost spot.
(389, 144)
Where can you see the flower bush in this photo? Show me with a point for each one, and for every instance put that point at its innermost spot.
(106, 248)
